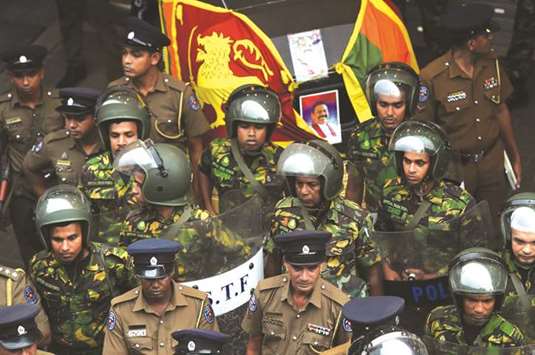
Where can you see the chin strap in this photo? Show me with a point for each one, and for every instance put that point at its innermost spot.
(257, 187)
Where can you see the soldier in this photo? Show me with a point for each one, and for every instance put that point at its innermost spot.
(175, 112)
(245, 162)
(465, 92)
(141, 320)
(19, 333)
(76, 278)
(314, 176)
(162, 178)
(199, 341)
(297, 312)
(478, 279)
(59, 158)
(27, 113)
(392, 90)
(122, 118)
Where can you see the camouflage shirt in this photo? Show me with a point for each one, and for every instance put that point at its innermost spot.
(110, 196)
(444, 324)
(350, 248)
(526, 276)
(202, 238)
(77, 302)
(369, 152)
(220, 166)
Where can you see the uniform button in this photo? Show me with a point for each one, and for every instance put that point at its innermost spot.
(457, 108)
(169, 121)
(137, 345)
(447, 64)
(476, 102)
(161, 321)
(63, 179)
(323, 287)
(9, 96)
(162, 345)
(34, 114)
(315, 343)
(180, 287)
(136, 292)
(127, 79)
(49, 93)
(272, 333)
(294, 338)
(166, 80)
(479, 138)
(298, 316)
(284, 279)
(478, 120)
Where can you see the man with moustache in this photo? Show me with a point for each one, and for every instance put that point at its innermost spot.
(320, 122)
(27, 114)
(59, 158)
(392, 91)
(76, 278)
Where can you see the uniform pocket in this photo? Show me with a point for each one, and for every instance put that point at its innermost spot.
(274, 335)
(315, 342)
(140, 345)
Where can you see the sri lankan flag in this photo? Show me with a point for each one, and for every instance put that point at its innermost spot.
(379, 36)
(218, 50)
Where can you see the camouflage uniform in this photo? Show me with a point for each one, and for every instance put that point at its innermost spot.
(526, 276)
(350, 245)
(109, 195)
(369, 152)
(202, 238)
(78, 306)
(445, 324)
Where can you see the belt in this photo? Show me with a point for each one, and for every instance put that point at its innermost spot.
(472, 157)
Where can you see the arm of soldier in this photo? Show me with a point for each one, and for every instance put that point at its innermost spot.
(114, 342)
(34, 165)
(355, 184)
(25, 292)
(205, 184)
(252, 325)
(369, 261)
(506, 131)
(206, 317)
(123, 270)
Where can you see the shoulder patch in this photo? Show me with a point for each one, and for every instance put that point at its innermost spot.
(127, 296)
(112, 320)
(208, 313)
(30, 296)
(347, 325)
(252, 303)
(11, 273)
(423, 94)
(193, 102)
(38, 146)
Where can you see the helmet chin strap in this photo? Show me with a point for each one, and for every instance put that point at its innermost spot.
(476, 322)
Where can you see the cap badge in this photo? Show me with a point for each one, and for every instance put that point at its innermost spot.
(131, 35)
(23, 59)
(306, 250)
(70, 101)
(21, 330)
(191, 345)
(153, 261)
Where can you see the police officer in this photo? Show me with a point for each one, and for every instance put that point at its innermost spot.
(365, 314)
(27, 114)
(175, 112)
(199, 341)
(60, 156)
(16, 288)
(19, 333)
(141, 320)
(298, 312)
(122, 118)
(75, 277)
(478, 279)
(465, 92)
(392, 90)
(313, 172)
(161, 183)
(245, 162)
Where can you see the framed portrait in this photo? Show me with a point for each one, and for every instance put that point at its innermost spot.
(321, 111)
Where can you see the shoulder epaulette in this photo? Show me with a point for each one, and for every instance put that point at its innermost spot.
(350, 209)
(52, 93)
(121, 81)
(192, 292)
(434, 68)
(56, 136)
(272, 282)
(13, 274)
(174, 83)
(333, 293)
(127, 296)
(6, 97)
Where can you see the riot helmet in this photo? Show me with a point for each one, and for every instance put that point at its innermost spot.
(166, 168)
(519, 213)
(389, 340)
(477, 271)
(421, 137)
(119, 104)
(62, 204)
(390, 79)
(253, 104)
(313, 158)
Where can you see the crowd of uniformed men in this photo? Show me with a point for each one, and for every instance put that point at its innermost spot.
(368, 249)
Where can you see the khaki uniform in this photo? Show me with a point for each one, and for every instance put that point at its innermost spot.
(466, 109)
(60, 156)
(134, 328)
(15, 288)
(164, 103)
(286, 330)
(338, 350)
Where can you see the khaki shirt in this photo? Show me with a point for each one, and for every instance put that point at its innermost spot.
(134, 328)
(16, 288)
(465, 107)
(169, 98)
(61, 156)
(286, 330)
(339, 350)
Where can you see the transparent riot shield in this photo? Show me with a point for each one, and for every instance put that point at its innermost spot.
(106, 227)
(521, 312)
(438, 347)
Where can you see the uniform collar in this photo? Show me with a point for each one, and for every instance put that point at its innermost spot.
(15, 99)
(314, 299)
(177, 300)
(454, 69)
(161, 83)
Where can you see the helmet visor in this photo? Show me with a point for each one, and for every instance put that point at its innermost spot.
(414, 138)
(399, 343)
(302, 160)
(140, 155)
(481, 276)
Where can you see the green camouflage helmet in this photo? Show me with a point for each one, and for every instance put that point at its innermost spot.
(477, 271)
(60, 204)
(519, 213)
(313, 158)
(166, 168)
(387, 79)
(253, 104)
(421, 137)
(119, 104)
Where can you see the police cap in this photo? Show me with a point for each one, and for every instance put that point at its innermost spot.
(199, 341)
(463, 21)
(372, 311)
(153, 258)
(18, 329)
(24, 58)
(77, 101)
(141, 34)
(303, 247)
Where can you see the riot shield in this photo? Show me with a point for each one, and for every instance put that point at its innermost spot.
(106, 227)
(438, 347)
(521, 312)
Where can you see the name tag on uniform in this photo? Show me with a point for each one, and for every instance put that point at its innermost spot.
(62, 162)
(456, 96)
(13, 120)
(318, 329)
(137, 331)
